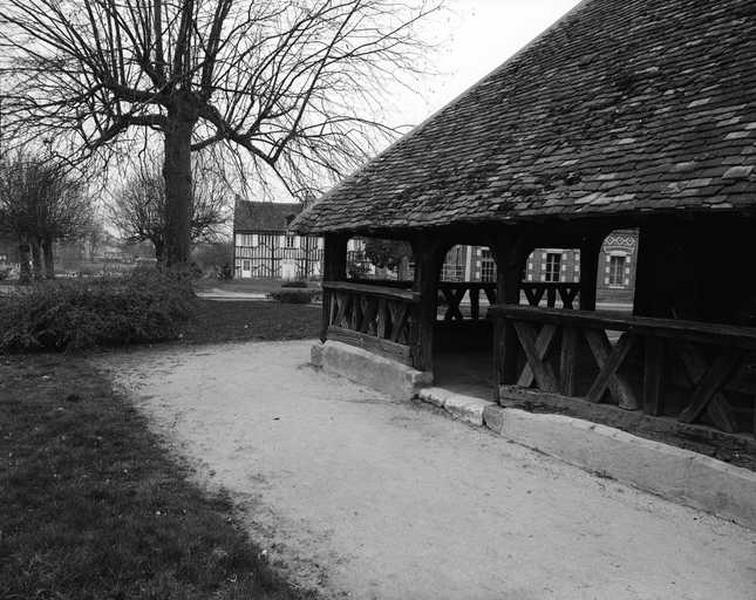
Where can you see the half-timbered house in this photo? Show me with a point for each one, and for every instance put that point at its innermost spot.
(266, 248)
(624, 115)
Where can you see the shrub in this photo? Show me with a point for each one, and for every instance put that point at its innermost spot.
(293, 296)
(299, 283)
(143, 306)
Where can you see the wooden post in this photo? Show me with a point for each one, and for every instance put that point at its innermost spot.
(653, 372)
(568, 361)
(334, 269)
(590, 248)
(651, 297)
(510, 253)
(426, 250)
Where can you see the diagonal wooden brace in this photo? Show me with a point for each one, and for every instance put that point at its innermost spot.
(709, 385)
(609, 361)
(542, 371)
(542, 345)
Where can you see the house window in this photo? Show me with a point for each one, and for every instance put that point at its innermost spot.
(268, 240)
(245, 239)
(487, 265)
(553, 266)
(246, 265)
(617, 270)
(291, 241)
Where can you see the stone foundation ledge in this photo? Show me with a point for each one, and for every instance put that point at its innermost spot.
(465, 408)
(676, 474)
(394, 379)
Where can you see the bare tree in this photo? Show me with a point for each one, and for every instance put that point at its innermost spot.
(295, 83)
(40, 203)
(389, 254)
(139, 210)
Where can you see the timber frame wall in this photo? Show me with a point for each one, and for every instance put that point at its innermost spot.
(690, 370)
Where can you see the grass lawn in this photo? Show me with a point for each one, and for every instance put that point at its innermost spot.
(244, 285)
(216, 321)
(91, 506)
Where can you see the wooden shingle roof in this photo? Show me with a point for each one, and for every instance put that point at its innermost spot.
(621, 106)
(264, 216)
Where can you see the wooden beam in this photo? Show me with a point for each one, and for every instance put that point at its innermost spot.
(609, 361)
(542, 371)
(646, 296)
(542, 345)
(709, 385)
(382, 291)
(510, 252)
(653, 370)
(334, 269)
(385, 348)
(428, 254)
(475, 303)
(568, 361)
(675, 329)
(453, 298)
(631, 421)
(590, 249)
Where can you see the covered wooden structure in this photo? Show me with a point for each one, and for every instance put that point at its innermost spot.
(632, 113)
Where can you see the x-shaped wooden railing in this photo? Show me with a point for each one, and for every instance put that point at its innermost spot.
(566, 292)
(454, 293)
(378, 318)
(707, 359)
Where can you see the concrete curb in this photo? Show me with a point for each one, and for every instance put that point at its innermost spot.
(388, 376)
(465, 408)
(674, 473)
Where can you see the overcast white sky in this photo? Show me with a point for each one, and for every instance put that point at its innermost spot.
(476, 36)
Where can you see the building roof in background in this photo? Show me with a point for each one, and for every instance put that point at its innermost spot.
(621, 106)
(264, 216)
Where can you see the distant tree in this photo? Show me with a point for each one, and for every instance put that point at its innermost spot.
(40, 204)
(296, 85)
(216, 257)
(139, 210)
(389, 254)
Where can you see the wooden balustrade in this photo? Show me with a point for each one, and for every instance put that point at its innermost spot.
(690, 370)
(455, 292)
(566, 292)
(378, 318)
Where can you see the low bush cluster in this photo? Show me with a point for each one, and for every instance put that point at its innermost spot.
(293, 296)
(143, 306)
(296, 283)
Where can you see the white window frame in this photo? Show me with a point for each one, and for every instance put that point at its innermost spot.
(624, 274)
(553, 275)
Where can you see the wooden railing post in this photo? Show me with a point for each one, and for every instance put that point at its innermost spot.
(510, 253)
(428, 261)
(334, 269)
(649, 298)
(590, 249)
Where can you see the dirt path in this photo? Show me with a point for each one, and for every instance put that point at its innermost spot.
(366, 498)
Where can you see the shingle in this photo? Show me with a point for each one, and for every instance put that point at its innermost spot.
(264, 216)
(622, 105)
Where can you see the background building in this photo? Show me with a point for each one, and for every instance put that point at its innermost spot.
(265, 248)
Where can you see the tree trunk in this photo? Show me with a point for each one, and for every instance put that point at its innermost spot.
(47, 253)
(36, 255)
(159, 250)
(24, 258)
(177, 172)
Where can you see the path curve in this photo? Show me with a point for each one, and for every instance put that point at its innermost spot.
(362, 497)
